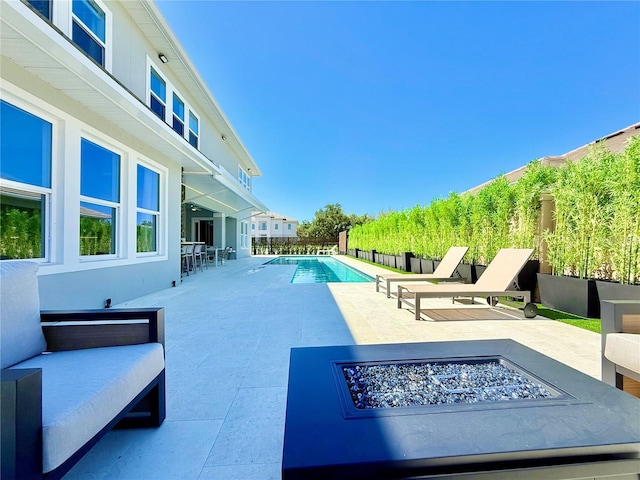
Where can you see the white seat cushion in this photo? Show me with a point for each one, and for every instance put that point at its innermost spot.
(623, 349)
(83, 390)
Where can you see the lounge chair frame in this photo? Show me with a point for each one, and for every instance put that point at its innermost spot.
(444, 272)
(405, 293)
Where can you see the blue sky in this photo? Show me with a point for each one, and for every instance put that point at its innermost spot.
(382, 106)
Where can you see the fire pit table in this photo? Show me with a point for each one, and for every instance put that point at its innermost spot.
(490, 409)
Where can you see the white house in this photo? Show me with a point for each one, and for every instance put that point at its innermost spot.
(271, 224)
(112, 150)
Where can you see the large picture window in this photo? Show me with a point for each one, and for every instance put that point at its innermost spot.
(100, 199)
(25, 183)
(89, 26)
(148, 210)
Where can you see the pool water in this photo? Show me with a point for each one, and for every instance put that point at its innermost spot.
(321, 269)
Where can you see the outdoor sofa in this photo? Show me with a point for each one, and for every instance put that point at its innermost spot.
(69, 377)
(443, 273)
(620, 334)
(494, 282)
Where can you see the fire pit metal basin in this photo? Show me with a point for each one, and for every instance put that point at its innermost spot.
(471, 409)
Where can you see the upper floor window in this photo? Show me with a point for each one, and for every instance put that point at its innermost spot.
(89, 25)
(193, 129)
(25, 183)
(172, 108)
(253, 226)
(42, 6)
(244, 179)
(288, 226)
(275, 226)
(178, 115)
(263, 225)
(158, 88)
(148, 210)
(99, 199)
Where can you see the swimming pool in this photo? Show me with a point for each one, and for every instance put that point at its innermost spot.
(321, 269)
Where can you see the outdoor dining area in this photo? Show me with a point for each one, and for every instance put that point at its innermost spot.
(196, 256)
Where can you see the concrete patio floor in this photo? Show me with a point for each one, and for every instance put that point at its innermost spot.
(228, 333)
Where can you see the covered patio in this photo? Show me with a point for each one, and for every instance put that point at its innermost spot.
(228, 335)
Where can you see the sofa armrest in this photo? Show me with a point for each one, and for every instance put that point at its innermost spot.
(617, 316)
(21, 428)
(80, 329)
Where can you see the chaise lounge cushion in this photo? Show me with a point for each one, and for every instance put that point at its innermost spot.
(21, 334)
(623, 349)
(83, 390)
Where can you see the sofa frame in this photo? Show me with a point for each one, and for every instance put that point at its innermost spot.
(21, 402)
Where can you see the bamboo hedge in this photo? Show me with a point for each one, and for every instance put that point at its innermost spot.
(597, 211)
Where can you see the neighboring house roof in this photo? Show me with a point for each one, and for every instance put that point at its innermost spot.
(614, 142)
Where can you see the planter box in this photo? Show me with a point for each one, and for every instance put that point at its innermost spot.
(527, 278)
(415, 264)
(616, 291)
(467, 272)
(479, 270)
(427, 265)
(569, 294)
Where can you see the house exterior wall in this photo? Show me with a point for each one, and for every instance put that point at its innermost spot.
(276, 225)
(45, 75)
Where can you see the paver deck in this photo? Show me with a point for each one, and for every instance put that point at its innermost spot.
(228, 333)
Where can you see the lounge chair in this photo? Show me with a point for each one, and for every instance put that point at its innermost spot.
(444, 272)
(495, 281)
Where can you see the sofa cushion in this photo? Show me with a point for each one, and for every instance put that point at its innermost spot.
(83, 390)
(623, 349)
(21, 336)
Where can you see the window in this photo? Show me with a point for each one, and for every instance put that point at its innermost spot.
(100, 199)
(263, 225)
(178, 115)
(244, 232)
(25, 177)
(158, 101)
(42, 6)
(88, 29)
(288, 226)
(193, 129)
(163, 96)
(275, 226)
(253, 226)
(244, 179)
(148, 211)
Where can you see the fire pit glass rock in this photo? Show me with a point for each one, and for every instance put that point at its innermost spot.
(391, 385)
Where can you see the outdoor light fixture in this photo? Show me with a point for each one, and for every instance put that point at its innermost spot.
(223, 137)
(107, 303)
(163, 58)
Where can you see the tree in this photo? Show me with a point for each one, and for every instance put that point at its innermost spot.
(329, 222)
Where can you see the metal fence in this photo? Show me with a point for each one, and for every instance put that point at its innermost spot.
(290, 245)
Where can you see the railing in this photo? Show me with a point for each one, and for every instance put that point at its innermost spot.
(290, 245)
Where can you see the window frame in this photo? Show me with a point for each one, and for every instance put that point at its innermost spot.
(170, 92)
(244, 234)
(48, 241)
(244, 178)
(160, 223)
(107, 44)
(117, 206)
(195, 134)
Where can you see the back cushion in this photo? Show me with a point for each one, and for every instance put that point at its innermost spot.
(21, 335)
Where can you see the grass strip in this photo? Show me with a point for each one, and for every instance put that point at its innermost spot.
(591, 324)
